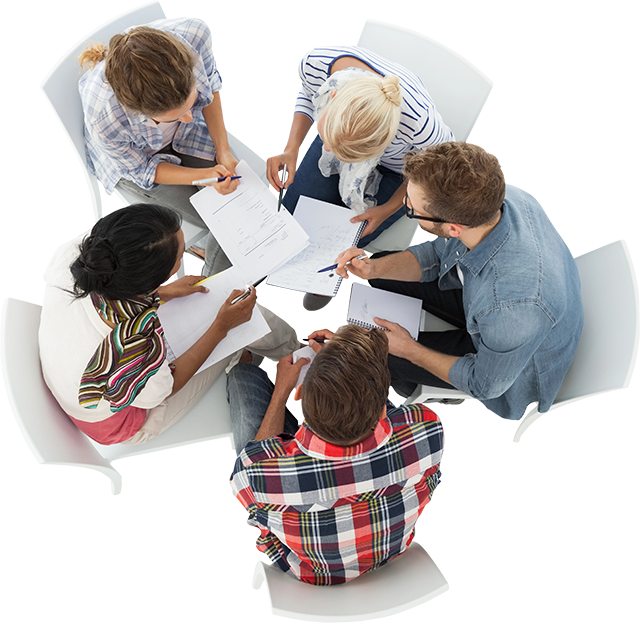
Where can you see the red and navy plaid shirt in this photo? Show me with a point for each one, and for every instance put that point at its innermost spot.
(328, 513)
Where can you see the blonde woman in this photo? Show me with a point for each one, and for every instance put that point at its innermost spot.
(153, 117)
(370, 112)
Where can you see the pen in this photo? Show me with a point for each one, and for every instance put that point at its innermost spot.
(211, 180)
(282, 179)
(320, 340)
(334, 266)
(247, 291)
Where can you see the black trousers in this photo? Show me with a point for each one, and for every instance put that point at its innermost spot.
(445, 304)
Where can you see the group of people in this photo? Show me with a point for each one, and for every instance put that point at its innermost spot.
(338, 494)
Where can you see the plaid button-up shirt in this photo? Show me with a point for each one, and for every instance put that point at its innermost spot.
(328, 513)
(120, 143)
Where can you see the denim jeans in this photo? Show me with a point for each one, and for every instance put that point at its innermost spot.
(445, 304)
(310, 182)
(249, 391)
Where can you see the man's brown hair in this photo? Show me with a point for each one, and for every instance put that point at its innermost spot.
(149, 70)
(462, 182)
(346, 386)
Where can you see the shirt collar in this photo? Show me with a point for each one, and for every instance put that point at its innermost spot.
(476, 259)
(313, 446)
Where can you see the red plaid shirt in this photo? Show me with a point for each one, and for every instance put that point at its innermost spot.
(329, 513)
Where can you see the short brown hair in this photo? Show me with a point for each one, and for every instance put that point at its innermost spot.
(149, 70)
(463, 183)
(346, 386)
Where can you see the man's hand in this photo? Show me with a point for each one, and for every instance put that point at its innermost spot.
(374, 217)
(275, 164)
(400, 341)
(181, 287)
(287, 374)
(361, 268)
(321, 334)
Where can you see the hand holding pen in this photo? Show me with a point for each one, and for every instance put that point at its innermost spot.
(220, 177)
(282, 179)
(353, 260)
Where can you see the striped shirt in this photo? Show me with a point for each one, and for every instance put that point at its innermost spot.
(121, 143)
(420, 123)
(328, 513)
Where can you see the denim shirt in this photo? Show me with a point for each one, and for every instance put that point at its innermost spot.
(522, 305)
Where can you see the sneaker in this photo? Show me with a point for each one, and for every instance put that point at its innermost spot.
(313, 302)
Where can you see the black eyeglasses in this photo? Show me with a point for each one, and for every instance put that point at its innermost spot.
(411, 213)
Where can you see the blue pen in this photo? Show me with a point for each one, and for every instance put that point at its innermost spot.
(211, 180)
(334, 266)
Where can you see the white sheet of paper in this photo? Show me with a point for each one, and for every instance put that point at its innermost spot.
(330, 232)
(367, 303)
(256, 238)
(305, 351)
(185, 319)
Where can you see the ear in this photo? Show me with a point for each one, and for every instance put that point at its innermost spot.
(333, 93)
(298, 393)
(454, 230)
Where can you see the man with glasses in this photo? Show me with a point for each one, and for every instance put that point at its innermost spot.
(498, 271)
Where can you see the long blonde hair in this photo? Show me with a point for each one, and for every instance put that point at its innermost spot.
(149, 70)
(363, 117)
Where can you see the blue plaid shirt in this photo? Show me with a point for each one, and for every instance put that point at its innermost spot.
(119, 142)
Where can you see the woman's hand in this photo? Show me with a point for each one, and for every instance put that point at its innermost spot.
(227, 160)
(231, 316)
(374, 216)
(220, 170)
(181, 287)
(360, 268)
(275, 164)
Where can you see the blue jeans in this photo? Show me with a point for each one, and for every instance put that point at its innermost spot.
(249, 393)
(311, 183)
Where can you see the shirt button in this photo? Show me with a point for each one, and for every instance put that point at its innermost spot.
(445, 265)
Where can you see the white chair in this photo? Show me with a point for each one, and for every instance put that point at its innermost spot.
(606, 354)
(458, 89)
(61, 87)
(124, 518)
(404, 582)
(52, 436)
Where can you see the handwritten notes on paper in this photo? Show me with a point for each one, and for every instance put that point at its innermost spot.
(256, 238)
(330, 232)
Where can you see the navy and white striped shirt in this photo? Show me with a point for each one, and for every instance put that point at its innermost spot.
(420, 123)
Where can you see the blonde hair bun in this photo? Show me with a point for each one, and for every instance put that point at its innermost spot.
(390, 86)
(363, 117)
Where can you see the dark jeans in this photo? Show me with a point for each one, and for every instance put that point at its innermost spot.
(249, 391)
(446, 305)
(311, 183)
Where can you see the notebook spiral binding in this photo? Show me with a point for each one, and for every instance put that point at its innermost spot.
(366, 325)
(356, 239)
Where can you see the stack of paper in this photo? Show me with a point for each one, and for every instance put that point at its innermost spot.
(256, 238)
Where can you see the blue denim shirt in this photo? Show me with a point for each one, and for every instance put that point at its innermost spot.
(522, 305)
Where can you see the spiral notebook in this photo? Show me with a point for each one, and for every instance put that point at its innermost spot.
(367, 303)
(330, 232)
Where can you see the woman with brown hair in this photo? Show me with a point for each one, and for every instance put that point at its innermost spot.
(153, 118)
